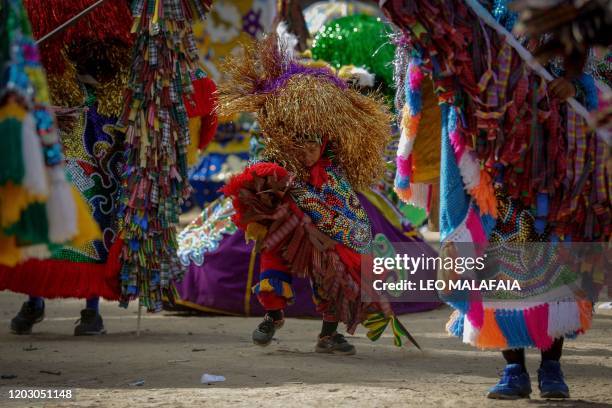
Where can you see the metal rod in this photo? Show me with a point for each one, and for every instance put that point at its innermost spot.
(70, 22)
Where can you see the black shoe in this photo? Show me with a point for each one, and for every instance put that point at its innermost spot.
(263, 334)
(335, 344)
(90, 324)
(27, 317)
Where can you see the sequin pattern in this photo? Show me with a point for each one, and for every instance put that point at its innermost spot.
(336, 210)
(94, 159)
(205, 233)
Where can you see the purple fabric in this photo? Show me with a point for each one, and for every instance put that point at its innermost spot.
(299, 69)
(220, 283)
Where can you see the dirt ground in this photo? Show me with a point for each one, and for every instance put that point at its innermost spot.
(173, 352)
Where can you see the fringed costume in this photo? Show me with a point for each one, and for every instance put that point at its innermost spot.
(39, 209)
(308, 221)
(86, 82)
(217, 256)
(213, 248)
(522, 177)
(162, 81)
(499, 128)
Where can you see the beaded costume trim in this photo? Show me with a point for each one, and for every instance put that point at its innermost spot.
(335, 210)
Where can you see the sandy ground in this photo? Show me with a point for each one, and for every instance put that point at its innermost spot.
(174, 351)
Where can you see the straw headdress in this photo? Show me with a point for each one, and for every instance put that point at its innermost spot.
(294, 102)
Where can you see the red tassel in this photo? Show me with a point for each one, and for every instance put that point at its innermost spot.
(203, 100)
(272, 259)
(201, 103)
(350, 258)
(208, 130)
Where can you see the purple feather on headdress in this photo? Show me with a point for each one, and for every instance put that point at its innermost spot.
(282, 57)
(295, 68)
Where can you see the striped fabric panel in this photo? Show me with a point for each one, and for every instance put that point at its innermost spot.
(580, 158)
(504, 63)
(600, 174)
(173, 10)
(137, 7)
(571, 144)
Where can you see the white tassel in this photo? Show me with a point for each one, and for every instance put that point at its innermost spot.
(61, 209)
(470, 333)
(470, 171)
(572, 317)
(420, 195)
(563, 318)
(35, 180)
(406, 144)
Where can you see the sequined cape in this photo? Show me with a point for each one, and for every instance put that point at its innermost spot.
(335, 210)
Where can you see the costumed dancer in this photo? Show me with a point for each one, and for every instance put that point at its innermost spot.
(216, 252)
(518, 167)
(39, 209)
(87, 68)
(569, 82)
(217, 256)
(304, 215)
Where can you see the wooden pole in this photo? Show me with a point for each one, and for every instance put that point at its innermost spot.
(139, 318)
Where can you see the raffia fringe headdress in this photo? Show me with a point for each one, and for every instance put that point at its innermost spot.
(293, 102)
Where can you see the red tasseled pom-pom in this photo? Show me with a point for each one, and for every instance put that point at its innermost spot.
(236, 183)
(202, 103)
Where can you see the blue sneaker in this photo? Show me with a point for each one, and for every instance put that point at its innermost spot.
(551, 381)
(513, 384)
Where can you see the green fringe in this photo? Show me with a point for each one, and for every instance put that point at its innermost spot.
(32, 227)
(12, 167)
(400, 331)
(377, 323)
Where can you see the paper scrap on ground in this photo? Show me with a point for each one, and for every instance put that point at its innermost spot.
(209, 378)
